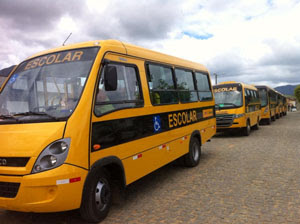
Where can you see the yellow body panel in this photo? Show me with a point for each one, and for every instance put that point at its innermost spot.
(23, 140)
(41, 193)
(277, 111)
(265, 112)
(27, 140)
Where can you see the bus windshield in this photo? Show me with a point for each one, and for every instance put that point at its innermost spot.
(263, 97)
(232, 98)
(47, 87)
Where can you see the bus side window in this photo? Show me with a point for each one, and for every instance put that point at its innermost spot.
(203, 86)
(161, 84)
(247, 97)
(127, 95)
(185, 86)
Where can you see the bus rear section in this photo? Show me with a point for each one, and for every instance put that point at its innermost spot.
(237, 107)
(80, 119)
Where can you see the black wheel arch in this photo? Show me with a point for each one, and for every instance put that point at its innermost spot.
(196, 134)
(248, 121)
(113, 166)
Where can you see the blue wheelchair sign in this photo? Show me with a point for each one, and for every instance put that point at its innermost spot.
(156, 123)
(13, 79)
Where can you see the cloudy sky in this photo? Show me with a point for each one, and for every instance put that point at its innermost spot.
(254, 41)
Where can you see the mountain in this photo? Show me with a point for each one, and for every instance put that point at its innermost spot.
(286, 90)
(5, 71)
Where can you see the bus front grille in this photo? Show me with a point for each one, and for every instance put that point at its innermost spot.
(8, 189)
(224, 120)
(14, 161)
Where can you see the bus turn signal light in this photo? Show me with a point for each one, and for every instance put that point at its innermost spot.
(96, 147)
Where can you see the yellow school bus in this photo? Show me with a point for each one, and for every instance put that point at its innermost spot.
(285, 105)
(78, 120)
(282, 105)
(268, 99)
(279, 105)
(237, 107)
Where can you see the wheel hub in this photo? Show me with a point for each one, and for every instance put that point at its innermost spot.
(102, 195)
(195, 152)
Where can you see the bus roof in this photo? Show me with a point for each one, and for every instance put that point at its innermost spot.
(131, 50)
(241, 83)
(264, 87)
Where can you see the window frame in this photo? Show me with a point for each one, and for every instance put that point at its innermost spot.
(194, 84)
(147, 63)
(209, 85)
(138, 79)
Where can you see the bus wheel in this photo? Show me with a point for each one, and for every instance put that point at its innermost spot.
(256, 127)
(247, 129)
(268, 121)
(193, 157)
(97, 197)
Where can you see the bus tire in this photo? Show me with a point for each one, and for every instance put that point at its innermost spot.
(247, 129)
(96, 197)
(268, 121)
(192, 158)
(256, 127)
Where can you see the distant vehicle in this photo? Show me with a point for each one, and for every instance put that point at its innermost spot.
(281, 106)
(4, 73)
(237, 106)
(294, 109)
(268, 98)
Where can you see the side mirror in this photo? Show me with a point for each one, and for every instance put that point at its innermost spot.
(110, 78)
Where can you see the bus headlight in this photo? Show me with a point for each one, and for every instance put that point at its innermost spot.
(239, 115)
(52, 156)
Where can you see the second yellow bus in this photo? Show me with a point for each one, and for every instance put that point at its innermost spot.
(237, 107)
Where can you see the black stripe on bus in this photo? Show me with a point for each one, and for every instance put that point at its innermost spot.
(115, 132)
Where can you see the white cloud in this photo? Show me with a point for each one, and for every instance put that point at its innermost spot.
(248, 40)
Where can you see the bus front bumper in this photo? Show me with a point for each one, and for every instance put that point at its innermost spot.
(59, 189)
(235, 123)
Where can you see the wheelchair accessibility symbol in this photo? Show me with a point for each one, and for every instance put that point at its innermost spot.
(156, 123)
(13, 79)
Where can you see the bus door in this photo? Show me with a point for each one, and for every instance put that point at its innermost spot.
(121, 125)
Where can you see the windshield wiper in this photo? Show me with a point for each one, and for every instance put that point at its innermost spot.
(219, 104)
(30, 113)
(230, 104)
(2, 116)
